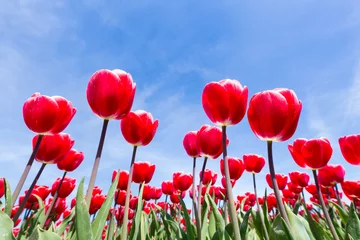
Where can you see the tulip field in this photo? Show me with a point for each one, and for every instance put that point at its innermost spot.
(190, 206)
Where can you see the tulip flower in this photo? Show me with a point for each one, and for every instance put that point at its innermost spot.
(209, 141)
(123, 179)
(223, 182)
(190, 144)
(96, 203)
(67, 186)
(351, 189)
(148, 192)
(167, 187)
(209, 177)
(157, 193)
(253, 163)
(120, 197)
(299, 178)
(182, 181)
(350, 148)
(331, 174)
(294, 188)
(281, 180)
(236, 167)
(2, 187)
(143, 172)
(71, 160)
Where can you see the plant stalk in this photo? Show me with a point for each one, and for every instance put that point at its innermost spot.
(200, 190)
(259, 210)
(195, 211)
(338, 197)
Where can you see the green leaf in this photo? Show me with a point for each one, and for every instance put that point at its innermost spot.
(353, 224)
(189, 226)
(98, 224)
(8, 198)
(297, 226)
(112, 226)
(219, 221)
(143, 226)
(62, 227)
(244, 225)
(137, 220)
(343, 214)
(212, 225)
(82, 217)
(253, 235)
(6, 226)
(154, 225)
(318, 231)
(297, 206)
(279, 230)
(204, 221)
(40, 234)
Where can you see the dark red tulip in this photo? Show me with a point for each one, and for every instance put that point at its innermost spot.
(190, 144)
(236, 167)
(133, 202)
(313, 153)
(71, 160)
(2, 187)
(66, 188)
(120, 196)
(350, 148)
(148, 192)
(47, 115)
(143, 172)
(110, 94)
(225, 102)
(274, 114)
(281, 180)
(254, 163)
(139, 128)
(157, 193)
(182, 181)
(209, 140)
(53, 147)
(167, 187)
(299, 178)
(331, 174)
(209, 177)
(123, 179)
(351, 189)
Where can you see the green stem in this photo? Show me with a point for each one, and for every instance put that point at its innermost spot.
(200, 190)
(259, 210)
(195, 212)
(338, 197)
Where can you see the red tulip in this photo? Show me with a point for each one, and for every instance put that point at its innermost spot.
(47, 115)
(220, 192)
(281, 180)
(253, 163)
(225, 102)
(223, 182)
(148, 192)
(351, 189)
(288, 194)
(331, 174)
(299, 178)
(311, 188)
(71, 160)
(96, 203)
(167, 187)
(110, 94)
(138, 128)
(53, 147)
(143, 172)
(66, 188)
(274, 114)
(96, 190)
(174, 198)
(209, 177)
(209, 140)
(2, 187)
(350, 148)
(66, 213)
(133, 202)
(190, 144)
(313, 153)
(294, 188)
(41, 191)
(59, 207)
(271, 201)
(157, 193)
(182, 181)
(123, 179)
(236, 167)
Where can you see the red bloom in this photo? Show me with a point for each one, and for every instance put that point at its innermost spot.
(225, 101)
(53, 147)
(167, 187)
(157, 193)
(123, 179)
(274, 114)
(254, 163)
(331, 174)
(271, 201)
(110, 94)
(351, 189)
(143, 172)
(209, 177)
(236, 167)
(40, 191)
(66, 188)
(311, 188)
(313, 153)
(223, 182)
(71, 160)
(182, 181)
(299, 178)
(59, 207)
(2, 187)
(139, 128)
(190, 144)
(47, 115)
(350, 148)
(148, 192)
(294, 188)
(133, 202)
(288, 194)
(174, 198)
(96, 203)
(281, 180)
(209, 140)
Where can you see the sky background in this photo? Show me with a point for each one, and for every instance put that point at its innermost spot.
(172, 49)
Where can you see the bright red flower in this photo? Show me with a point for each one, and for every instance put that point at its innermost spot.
(313, 153)
(167, 187)
(209, 140)
(53, 147)
(139, 128)
(66, 213)
(66, 188)
(133, 202)
(271, 201)
(274, 114)
(236, 167)
(71, 160)
(209, 177)
(40, 191)
(350, 148)
(123, 179)
(2, 187)
(223, 182)
(281, 180)
(299, 178)
(148, 192)
(157, 193)
(311, 188)
(331, 174)
(294, 188)
(47, 115)
(174, 198)
(351, 189)
(143, 172)
(96, 190)
(190, 144)
(110, 94)
(96, 203)
(59, 206)
(220, 192)
(182, 181)
(288, 194)
(225, 102)
(254, 163)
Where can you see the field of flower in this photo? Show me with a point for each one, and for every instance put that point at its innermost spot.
(212, 212)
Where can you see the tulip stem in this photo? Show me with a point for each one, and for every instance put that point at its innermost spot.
(259, 210)
(28, 194)
(230, 197)
(127, 199)
(303, 196)
(338, 197)
(195, 212)
(96, 163)
(322, 203)
(54, 200)
(275, 185)
(24, 175)
(200, 189)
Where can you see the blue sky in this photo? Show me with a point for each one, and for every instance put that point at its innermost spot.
(172, 49)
